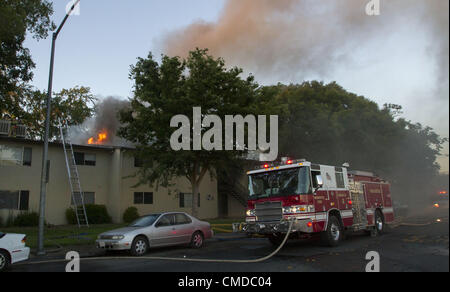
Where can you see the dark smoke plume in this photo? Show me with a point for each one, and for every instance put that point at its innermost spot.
(291, 38)
(296, 39)
(105, 119)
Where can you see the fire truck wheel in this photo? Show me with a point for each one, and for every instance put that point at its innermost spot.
(275, 239)
(333, 234)
(379, 222)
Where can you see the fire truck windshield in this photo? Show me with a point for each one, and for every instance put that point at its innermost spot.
(287, 182)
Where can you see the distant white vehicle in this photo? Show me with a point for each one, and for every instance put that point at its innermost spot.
(12, 249)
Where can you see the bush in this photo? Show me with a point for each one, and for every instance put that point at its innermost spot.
(1, 222)
(97, 214)
(130, 215)
(26, 220)
(71, 217)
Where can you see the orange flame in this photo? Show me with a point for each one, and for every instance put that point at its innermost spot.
(101, 137)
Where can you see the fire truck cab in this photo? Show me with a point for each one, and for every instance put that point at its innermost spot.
(319, 199)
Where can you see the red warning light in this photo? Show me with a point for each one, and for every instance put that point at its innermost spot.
(289, 162)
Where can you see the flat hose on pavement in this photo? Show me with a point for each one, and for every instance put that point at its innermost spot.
(183, 259)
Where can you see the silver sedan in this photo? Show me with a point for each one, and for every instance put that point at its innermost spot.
(156, 230)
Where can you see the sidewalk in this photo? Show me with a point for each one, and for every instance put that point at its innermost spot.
(56, 254)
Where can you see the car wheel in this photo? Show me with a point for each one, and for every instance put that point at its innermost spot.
(140, 246)
(333, 235)
(5, 261)
(379, 222)
(197, 240)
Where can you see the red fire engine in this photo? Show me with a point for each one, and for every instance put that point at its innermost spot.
(318, 198)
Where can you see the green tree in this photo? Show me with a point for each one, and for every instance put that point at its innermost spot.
(326, 124)
(73, 105)
(174, 87)
(17, 17)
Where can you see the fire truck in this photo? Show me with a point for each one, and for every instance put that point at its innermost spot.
(319, 199)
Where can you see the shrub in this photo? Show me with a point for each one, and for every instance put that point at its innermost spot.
(97, 214)
(26, 220)
(9, 221)
(71, 217)
(1, 222)
(130, 215)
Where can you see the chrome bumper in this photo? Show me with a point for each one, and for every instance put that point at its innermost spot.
(113, 244)
(299, 225)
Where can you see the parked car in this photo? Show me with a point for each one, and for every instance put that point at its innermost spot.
(12, 249)
(156, 230)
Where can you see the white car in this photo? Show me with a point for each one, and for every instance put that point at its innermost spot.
(12, 249)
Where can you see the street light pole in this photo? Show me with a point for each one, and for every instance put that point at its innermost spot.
(45, 163)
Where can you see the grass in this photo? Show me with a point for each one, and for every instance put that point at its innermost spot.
(62, 235)
(225, 220)
(223, 225)
(69, 235)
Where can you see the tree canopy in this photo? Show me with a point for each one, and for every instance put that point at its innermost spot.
(17, 17)
(174, 87)
(326, 124)
(72, 105)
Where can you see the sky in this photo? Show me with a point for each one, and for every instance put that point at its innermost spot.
(389, 59)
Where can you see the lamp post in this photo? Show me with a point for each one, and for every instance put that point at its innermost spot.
(45, 162)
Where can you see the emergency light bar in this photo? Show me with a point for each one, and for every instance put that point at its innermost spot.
(283, 162)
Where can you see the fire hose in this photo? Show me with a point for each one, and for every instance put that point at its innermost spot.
(181, 259)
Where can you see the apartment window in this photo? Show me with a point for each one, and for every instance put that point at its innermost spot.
(138, 162)
(340, 180)
(13, 155)
(84, 158)
(143, 198)
(24, 198)
(89, 198)
(27, 156)
(14, 200)
(186, 200)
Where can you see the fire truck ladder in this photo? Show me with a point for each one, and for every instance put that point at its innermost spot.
(359, 205)
(74, 179)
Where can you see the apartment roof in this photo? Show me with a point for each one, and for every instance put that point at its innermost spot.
(58, 143)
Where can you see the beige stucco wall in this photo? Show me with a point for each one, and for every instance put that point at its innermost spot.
(165, 199)
(108, 180)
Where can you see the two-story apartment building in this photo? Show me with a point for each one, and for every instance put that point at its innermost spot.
(106, 176)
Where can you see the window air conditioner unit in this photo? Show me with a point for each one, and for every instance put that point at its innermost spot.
(5, 127)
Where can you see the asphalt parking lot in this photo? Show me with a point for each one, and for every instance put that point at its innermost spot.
(417, 244)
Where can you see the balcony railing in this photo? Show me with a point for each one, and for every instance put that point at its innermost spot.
(10, 129)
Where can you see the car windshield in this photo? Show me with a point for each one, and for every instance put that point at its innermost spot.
(294, 181)
(145, 221)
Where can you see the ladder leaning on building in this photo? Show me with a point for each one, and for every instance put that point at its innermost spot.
(74, 179)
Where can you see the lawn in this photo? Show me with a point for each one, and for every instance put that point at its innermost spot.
(72, 235)
(62, 235)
